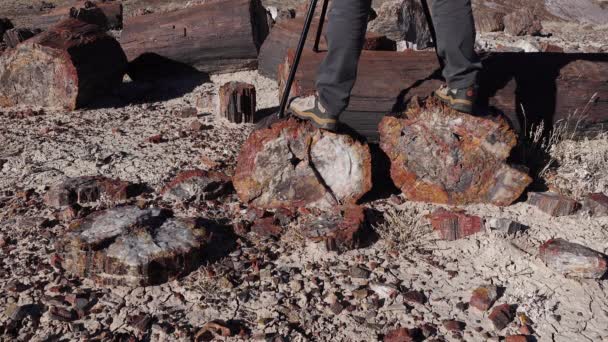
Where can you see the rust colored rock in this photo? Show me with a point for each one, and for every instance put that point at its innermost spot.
(340, 229)
(523, 22)
(439, 155)
(292, 164)
(266, 227)
(553, 204)
(489, 21)
(238, 102)
(516, 338)
(596, 204)
(414, 297)
(197, 185)
(573, 260)
(65, 67)
(87, 189)
(547, 47)
(484, 297)
(399, 335)
(453, 325)
(455, 225)
(133, 247)
(501, 316)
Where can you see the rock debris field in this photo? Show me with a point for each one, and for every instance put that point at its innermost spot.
(149, 214)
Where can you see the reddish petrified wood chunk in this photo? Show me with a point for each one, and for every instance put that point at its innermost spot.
(238, 102)
(597, 204)
(553, 204)
(292, 164)
(64, 67)
(484, 297)
(132, 246)
(340, 229)
(501, 316)
(573, 260)
(455, 225)
(86, 189)
(442, 156)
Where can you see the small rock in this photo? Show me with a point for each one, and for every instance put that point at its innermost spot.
(484, 297)
(414, 297)
(552, 203)
(156, 139)
(453, 325)
(525, 330)
(501, 316)
(596, 204)
(428, 330)
(336, 308)
(359, 272)
(83, 190)
(187, 112)
(550, 48)
(339, 229)
(360, 294)
(516, 338)
(197, 185)
(141, 322)
(523, 22)
(399, 335)
(505, 226)
(266, 227)
(455, 225)
(62, 314)
(384, 291)
(573, 260)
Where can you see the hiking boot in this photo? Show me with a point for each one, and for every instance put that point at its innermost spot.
(310, 109)
(462, 100)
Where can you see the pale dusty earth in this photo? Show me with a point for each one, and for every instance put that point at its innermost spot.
(290, 295)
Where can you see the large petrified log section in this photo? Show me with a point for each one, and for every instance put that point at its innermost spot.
(439, 155)
(212, 37)
(106, 13)
(564, 89)
(64, 67)
(292, 164)
(285, 35)
(132, 246)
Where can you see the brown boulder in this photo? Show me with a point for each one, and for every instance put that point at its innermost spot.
(132, 246)
(442, 156)
(86, 189)
(293, 164)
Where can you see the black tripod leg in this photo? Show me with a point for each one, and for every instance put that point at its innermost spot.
(321, 23)
(296, 62)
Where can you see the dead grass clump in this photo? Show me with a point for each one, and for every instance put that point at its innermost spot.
(405, 229)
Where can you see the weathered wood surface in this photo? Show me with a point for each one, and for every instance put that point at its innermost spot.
(558, 88)
(238, 102)
(64, 67)
(286, 34)
(106, 13)
(15, 36)
(218, 36)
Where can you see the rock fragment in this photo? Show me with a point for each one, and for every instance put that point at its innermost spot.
(453, 325)
(414, 297)
(237, 102)
(573, 260)
(399, 335)
(552, 203)
(132, 246)
(523, 22)
(442, 156)
(292, 164)
(455, 225)
(501, 316)
(384, 291)
(484, 297)
(339, 230)
(266, 227)
(87, 189)
(403, 20)
(505, 226)
(489, 21)
(516, 338)
(197, 185)
(596, 204)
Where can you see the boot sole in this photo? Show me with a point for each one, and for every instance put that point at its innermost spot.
(464, 106)
(318, 122)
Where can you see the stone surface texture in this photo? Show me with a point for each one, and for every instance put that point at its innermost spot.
(573, 260)
(86, 189)
(501, 316)
(340, 229)
(455, 225)
(132, 246)
(553, 204)
(293, 164)
(442, 156)
(403, 20)
(523, 22)
(484, 297)
(197, 185)
(596, 204)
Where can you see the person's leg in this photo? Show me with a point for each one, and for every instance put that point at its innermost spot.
(345, 39)
(455, 29)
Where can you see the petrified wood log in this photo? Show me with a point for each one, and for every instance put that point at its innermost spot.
(64, 67)
(285, 35)
(108, 14)
(553, 203)
(292, 164)
(442, 156)
(455, 225)
(214, 36)
(573, 260)
(86, 189)
(238, 102)
(559, 89)
(132, 246)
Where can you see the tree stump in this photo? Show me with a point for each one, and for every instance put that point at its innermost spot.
(237, 102)
(64, 67)
(133, 247)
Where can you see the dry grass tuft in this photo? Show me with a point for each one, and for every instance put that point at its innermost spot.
(405, 229)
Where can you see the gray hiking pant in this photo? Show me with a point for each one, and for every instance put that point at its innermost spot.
(346, 34)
